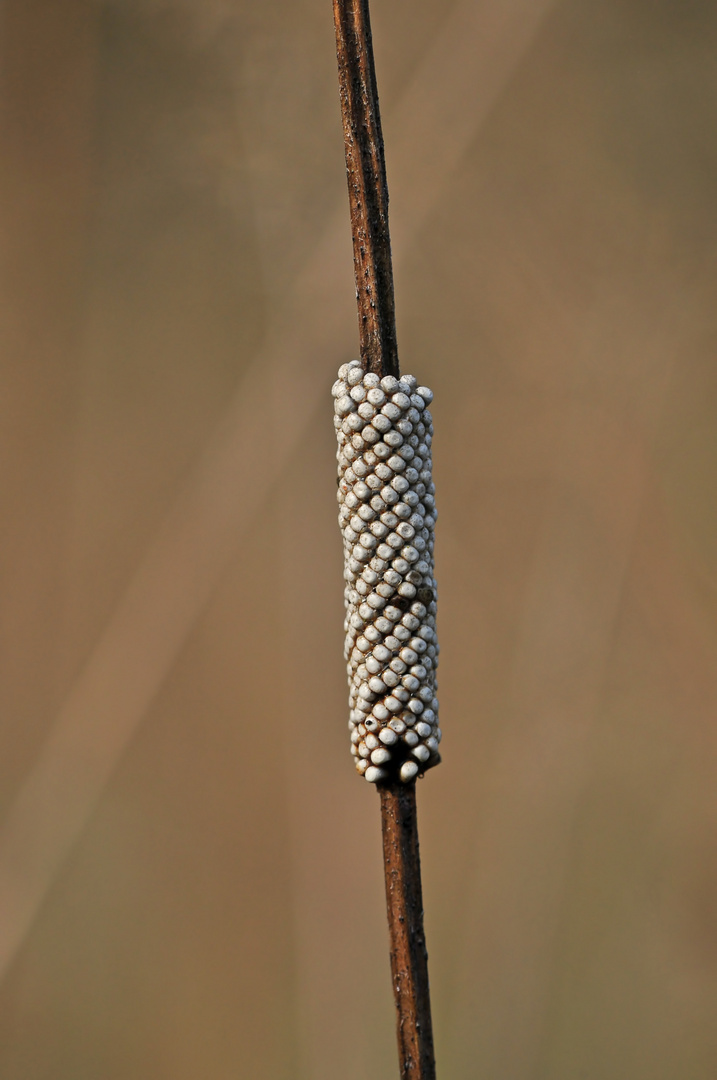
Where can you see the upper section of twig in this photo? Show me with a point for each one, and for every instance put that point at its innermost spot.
(368, 191)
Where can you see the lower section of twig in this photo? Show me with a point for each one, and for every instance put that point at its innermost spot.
(404, 903)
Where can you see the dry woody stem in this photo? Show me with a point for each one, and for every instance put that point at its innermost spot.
(368, 199)
(368, 191)
(404, 904)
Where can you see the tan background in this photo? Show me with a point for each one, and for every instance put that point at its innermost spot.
(189, 869)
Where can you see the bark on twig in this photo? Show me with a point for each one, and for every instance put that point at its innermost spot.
(368, 191)
(404, 903)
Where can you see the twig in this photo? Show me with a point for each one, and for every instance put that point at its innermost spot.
(368, 191)
(368, 200)
(404, 904)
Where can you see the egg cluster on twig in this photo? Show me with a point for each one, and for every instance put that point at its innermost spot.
(387, 516)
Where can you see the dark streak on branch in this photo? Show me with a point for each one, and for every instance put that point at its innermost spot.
(404, 904)
(368, 191)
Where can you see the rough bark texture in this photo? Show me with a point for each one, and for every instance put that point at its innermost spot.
(404, 904)
(368, 191)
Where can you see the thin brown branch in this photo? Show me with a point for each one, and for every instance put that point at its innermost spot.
(404, 905)
(368, 191)
(368, 201)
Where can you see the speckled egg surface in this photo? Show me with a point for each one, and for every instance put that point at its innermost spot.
(387, 516)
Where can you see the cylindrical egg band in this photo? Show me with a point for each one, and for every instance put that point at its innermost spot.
(387, 516)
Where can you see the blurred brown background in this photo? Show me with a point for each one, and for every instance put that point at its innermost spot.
(190, 877)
